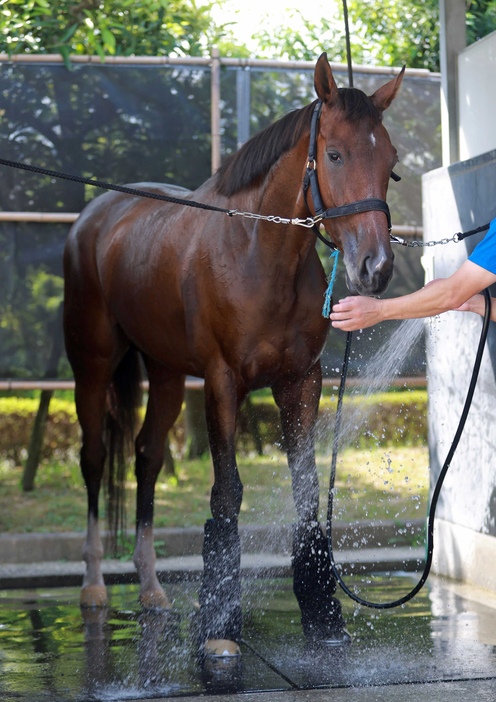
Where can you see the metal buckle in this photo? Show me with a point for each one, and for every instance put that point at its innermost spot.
(309, 222)
(312, 165)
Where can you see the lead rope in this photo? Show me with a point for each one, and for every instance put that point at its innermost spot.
(348, 45)
(337, 427)
(326, 310)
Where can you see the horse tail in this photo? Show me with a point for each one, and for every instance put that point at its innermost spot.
(123, 399)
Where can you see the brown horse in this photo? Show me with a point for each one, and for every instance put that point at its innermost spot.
(237, 302)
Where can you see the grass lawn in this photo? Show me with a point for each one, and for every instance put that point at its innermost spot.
(381, 483)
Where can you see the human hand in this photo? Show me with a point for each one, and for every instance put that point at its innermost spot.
(474, 304)
(355, 312)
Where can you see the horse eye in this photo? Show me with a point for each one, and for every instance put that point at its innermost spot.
(334, 157)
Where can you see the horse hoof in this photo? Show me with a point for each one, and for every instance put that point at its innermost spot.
(93, 596)
(155, 600)
(222, 648)
(339, 638)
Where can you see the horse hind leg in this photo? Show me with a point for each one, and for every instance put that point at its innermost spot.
(95, 373)
(164, 404)
(91, 407)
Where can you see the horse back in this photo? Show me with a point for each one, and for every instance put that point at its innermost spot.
(108, 217)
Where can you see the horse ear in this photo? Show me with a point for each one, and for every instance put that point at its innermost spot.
(325, 85)
(385, 95)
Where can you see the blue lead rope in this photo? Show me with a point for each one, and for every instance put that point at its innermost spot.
(326, 310)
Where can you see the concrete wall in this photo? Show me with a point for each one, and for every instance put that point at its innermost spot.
(459, 198)
(477, 97)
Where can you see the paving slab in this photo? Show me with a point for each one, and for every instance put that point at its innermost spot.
(440, 646)
(457, 691)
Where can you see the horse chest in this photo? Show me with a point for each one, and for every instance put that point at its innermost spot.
(268, 357)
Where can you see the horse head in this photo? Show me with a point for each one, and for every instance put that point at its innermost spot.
(355, 159)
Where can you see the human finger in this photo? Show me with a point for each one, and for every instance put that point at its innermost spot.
(345, 325)
(343, 305)
(339, 315)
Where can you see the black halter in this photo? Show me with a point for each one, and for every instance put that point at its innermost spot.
(310, 180)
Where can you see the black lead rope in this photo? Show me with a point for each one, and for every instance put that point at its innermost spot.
(112, 186)
(348, 43)
(439, 483)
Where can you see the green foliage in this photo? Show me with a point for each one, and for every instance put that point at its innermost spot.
(108, 27)
(388, 32)
(383, 32)
(481, 19)
(27, 317)
(306, 43)
(17, 415)
(27, 406)
(392, 419)
(396, 32)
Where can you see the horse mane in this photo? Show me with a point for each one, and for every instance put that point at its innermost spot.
(260, 153)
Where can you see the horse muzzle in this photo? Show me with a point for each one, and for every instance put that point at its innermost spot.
(371, 275)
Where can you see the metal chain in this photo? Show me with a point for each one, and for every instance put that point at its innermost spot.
(424, 244)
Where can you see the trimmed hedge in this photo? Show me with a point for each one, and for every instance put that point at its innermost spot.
(398, 418)
(394, 418)
(17, 416)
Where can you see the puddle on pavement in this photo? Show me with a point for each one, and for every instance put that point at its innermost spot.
(51, 650)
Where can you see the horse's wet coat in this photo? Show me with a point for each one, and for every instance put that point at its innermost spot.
(234, 301)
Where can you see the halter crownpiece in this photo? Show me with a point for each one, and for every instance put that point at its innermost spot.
(311, 181)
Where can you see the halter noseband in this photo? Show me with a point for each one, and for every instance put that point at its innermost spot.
(310, 180)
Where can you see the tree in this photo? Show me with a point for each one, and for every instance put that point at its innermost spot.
(383, 32)
(108, 27)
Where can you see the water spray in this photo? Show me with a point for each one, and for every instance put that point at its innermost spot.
(440, 480)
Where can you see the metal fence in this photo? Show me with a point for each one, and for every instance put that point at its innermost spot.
(156, 119)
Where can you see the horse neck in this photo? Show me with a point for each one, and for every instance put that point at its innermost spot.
(281, 194)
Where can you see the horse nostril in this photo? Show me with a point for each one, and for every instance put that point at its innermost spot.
(374, 266)
(375, 272)
(365, 272)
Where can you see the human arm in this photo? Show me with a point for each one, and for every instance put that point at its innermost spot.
(441, 295)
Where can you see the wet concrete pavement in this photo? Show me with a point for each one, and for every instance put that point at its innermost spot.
(467, 691)
(441, 646)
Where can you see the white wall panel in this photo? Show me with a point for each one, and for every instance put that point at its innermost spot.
(477, 97)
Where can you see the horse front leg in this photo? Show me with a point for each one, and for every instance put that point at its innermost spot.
(220, 592)
(313, 582)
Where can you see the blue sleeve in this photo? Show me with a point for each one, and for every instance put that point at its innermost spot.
(484, 254)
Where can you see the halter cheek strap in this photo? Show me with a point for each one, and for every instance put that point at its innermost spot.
(310, 181)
